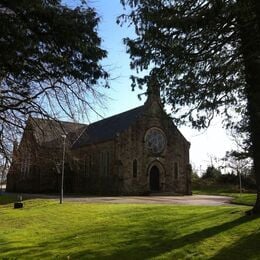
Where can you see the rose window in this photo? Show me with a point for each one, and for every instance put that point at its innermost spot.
(155, 140)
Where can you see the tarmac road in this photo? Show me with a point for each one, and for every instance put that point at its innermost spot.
(206, 200)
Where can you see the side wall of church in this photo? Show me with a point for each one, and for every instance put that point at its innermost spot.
(96, 170)
(34, 168)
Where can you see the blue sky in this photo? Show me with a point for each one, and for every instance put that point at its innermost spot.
(121, 97)
(206, 144)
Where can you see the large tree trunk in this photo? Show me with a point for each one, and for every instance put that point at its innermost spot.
(254, 114)
(250, 45)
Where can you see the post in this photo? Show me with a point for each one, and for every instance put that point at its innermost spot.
(62, 168)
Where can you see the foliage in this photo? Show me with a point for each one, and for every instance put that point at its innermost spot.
(193, 48)
(212, 186)
(212, 179)
(205, 57)
(49, 63)
(240, 135)
(3, 174)
(194, 176)
(238, 160)
(44, 229)
(211, 173)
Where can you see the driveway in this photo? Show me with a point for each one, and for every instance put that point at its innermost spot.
(207, 200)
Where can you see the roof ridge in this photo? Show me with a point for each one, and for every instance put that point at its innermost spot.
(61, 121)
(57, 121)
(78, 137)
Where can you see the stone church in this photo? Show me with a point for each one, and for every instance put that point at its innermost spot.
(137, 152)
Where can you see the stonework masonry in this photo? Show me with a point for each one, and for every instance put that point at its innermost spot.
(137, 152)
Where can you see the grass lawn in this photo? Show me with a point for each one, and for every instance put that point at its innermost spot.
(247, 199)
(244, 198)
(46, 229)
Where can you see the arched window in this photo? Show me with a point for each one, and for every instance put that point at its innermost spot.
(135, 168)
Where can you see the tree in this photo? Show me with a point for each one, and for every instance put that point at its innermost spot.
(211, 173)
(3, 173)
(205, 56)
(234, 161)
(49, 63)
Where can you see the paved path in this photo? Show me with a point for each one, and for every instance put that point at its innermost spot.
(185, 200)
(207, 200)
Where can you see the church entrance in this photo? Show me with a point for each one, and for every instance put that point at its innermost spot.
(154, 179)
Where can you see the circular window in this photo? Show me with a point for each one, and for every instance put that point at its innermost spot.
(155, 140)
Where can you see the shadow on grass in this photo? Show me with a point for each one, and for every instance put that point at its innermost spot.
(249, 245)
(155, 244)
(7, 198)
(133, 243)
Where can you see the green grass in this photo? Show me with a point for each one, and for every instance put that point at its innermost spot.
(215, 189)
(44, 229)
(5, 199)
(247, 199)
(244, 199)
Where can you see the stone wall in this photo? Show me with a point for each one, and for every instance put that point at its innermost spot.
(131, 146)
(107, 167)
(34, 168)
(128, 146)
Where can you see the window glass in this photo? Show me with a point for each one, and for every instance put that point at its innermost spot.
(155, 140)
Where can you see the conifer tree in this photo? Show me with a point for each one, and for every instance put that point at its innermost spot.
(205, 55)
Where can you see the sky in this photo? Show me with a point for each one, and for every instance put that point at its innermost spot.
(205, 145)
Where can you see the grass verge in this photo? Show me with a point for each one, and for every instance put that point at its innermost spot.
(247, 199)
(44, 229)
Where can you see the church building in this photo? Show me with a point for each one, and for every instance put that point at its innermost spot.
(136, 152)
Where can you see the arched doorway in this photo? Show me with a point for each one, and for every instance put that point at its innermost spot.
(154, 179)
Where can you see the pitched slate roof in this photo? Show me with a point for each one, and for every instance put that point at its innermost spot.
(108, 128)
(49, 132)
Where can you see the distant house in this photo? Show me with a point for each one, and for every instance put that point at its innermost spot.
(135, 152)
